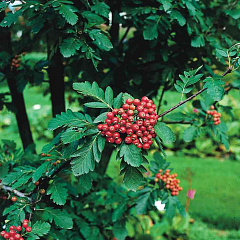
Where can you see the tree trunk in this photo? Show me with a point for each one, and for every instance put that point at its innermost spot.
(17, 97)
(56, 80)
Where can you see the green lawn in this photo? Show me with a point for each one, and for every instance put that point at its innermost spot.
(217, 188)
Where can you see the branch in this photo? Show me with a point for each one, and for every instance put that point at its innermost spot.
(16, 192)
(177, 122)
(229, 69)
(124, 36)
(160, 100)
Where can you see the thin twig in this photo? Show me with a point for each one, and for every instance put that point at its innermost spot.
(160, 100)
(16, 192)
(124, 36)
(229, 69)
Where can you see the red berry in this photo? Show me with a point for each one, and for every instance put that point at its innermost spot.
(110, 115)
(28, 229)
(151, 111)
(21, 239)
(142, 128)
(129, 131)
(142, 114)
(139, 145)
(25, 224)
(17, 236)
(14, 198)
(25, 220)
(136, 102)
(158, 175)
(11, 238)
(135, 127)
(115, 111)
(121, 111)
(146, 123)
(140, 108)
(145, 133)
(139, 123)
(12, 228)
(130, 112)
(129, 101)
(135, 142)
(134, 137)
(116, 135)
(108, 134)
(131, 119)
(148, 105)
(117, 126)
(2, 233)
(104, 127)
(123, 122)
(146, 146)
(139, 133)
(145, 139)
(152, 122)
(145, 110)
(128, 140)
(111, 129)
(149, 136)
(103, 133)
(124, 116)
(128, 125)
(150, 101)
(6, 236)
(19, 228)
(111, 140)
(144, 99)
(122, 129)
(125, 106)
(132, 107)
(150, 142)
(108, 121)
(118, 141)
(115, 120)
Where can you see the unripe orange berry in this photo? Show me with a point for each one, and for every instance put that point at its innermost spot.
(212, 107)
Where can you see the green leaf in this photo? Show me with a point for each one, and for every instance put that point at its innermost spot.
(179, 17)
(85, 181)
(69, 118)
(93, 19)
(131, 154)
(166, 5)
(4, 170)
(142, 201)
(117, 102)
(221, 52)
(101, 8)
(39, 229)
(100, 39)
(11, 18)
(170, 207)
(118, 212)
(101, 118)
(58, 192)
(164, 132)
(83, 159)
(132, 178)
(125, 96)
(61, 218)
(71, 135)
(67, 11)
(119, 230)
(189, 133)
(234, 13)
(198, 41)
(150, 31)
(93, 91)
(214, 88)
(101, 142)
(95, 105)
(70, 46)
(109, 95)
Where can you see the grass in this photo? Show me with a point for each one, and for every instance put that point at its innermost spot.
(217, 188)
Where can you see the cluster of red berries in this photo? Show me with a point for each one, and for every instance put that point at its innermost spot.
(134, 122)
(14, 232)
(171, 182)
(215, 114)
(16, 61)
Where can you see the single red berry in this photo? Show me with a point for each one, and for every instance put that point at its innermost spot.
(146, 123)
(154, 106)
(152, 122)
(118, 141)
(144, 99)
(124, 116)
(17, 236)
(129, 131)
(135, 127)
(121, 111)
(122, 129)
(14, 198)
(143, 129)
(117, 126)
(108, 134)
(125, 106)
(135, 142)
(134, 137)
(136, 102)
(11, 238)
(142, 114)
(116, 135)
(145, 133)
(6, 235)
(131, 118)
(12, 228)
(143, 103)
(148, 105)
(110, 115)
(128, 125)
(139, 133)
(153, 135)
(130, 112)
(145, 110)
(212, 107)
(2, 233)
(158, 175)
(108, 121)
(129, 101)
(111, 129)
(139, 123)
(104, 127)
(128, 140)
(150, 101)
(25, 224)
(25, 220)
(145, 139)
(150, 142)
(19, 228)
(103, 133)
(151, 112)
(132, 107)
(122, 122)
(111, 140)
(12, 233)
(115, 111)
(149, 136)
(139, 145)
(140, 108)
(146, 146)
(28, 229)
(115, 120)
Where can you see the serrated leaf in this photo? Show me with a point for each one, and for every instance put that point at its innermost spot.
(101, 8)
(4, 170)
(119, 230)
(198, 41)
(67, 11)
(118, 212)
(189, 133)
(164, 132)
(150, 31)
(142, 201)
(61, 218)
(101, 118)
(100, 39)
(11, 18)
(96, 105)
(58, 192)
(214, 88)
(69, 46)
(179, 17)
(93, 19)
(96, 152)
(41, 228)
(68, 118)
(132, 178)
(71, 135)
(109, 95)
(101, 142)
(221, 52)
(131, 154)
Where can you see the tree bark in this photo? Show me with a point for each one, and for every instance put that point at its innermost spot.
(17, 97)
(56, 80)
